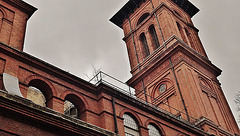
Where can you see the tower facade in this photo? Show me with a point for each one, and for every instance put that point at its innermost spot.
(14, 15)
(169, 65)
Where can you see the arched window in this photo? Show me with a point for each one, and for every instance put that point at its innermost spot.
(153, 130)
(130, 125)
(39, 92)
(145, 45)
(142, 18)
(70, 109)
(73, 106)
(154, 38)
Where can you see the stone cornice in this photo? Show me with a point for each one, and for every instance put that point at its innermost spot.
(162, 54)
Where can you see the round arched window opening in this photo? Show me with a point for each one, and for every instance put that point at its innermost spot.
(162, 88)
(130, 125)
(40, 93)
(70, 109)
(74, 106)
(153, 130)
(36, 96)
(142, 18)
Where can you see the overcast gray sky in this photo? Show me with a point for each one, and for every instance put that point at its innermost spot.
(75, 34)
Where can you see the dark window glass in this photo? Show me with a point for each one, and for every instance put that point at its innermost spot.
(142, 18)
(154, 37)
(145, 45)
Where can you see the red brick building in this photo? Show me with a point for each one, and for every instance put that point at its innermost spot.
(173, 91)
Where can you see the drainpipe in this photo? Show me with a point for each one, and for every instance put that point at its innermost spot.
(143, 86)
(114, 116)
(184, 105)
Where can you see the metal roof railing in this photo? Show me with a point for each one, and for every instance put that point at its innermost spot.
(141, 96)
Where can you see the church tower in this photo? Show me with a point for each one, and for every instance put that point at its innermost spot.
(169, 65)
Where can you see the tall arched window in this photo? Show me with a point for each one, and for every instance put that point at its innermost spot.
(153, 130)
(130, 125)
(154, 38)
(145, 45)
(142, 18)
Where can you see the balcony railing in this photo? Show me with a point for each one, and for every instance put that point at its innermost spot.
(141, 96)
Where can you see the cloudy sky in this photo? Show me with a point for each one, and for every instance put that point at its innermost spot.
(75, 34)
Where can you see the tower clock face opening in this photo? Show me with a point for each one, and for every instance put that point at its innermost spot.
(162, 88)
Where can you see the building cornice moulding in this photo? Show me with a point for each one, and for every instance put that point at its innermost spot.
(25, 7)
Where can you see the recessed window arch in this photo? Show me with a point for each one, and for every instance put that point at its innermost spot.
(143, 40)
(73, 106)
(70, 109)
(39, 92)
(154, 37)
(153, 130)
(142, 18)
(131, 127)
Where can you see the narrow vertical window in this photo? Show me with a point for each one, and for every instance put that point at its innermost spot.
(145, 45)
(189, 39)
(154, 37)
(182, 33)
(153, 130)
(130, 126)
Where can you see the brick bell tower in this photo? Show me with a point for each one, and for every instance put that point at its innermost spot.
(169, 64)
